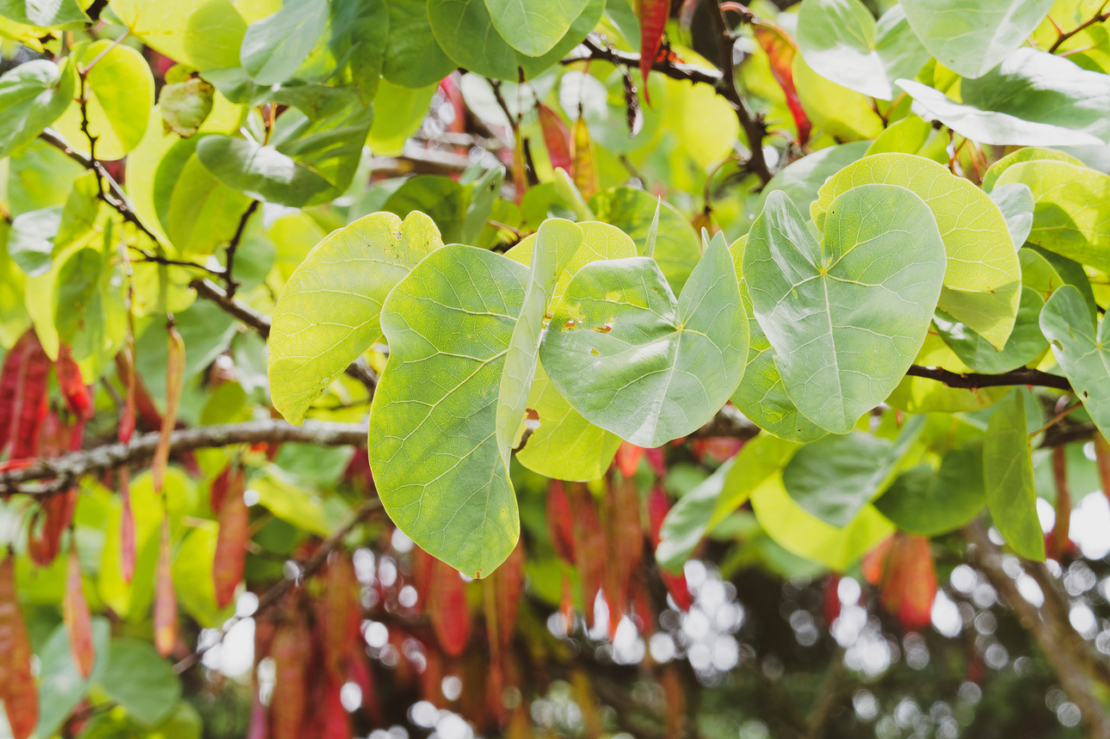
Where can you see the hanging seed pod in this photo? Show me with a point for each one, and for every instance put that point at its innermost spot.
(75, 614)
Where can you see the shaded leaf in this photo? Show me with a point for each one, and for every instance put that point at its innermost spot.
(1008, 474)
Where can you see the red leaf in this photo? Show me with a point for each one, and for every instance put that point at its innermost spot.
(447, 608)
(217, 491)
(589, 538)
(72, 384)
(874, 562)
(260, 724)
(653, 22)
(780, 49)
(624, 536)
(679, 589)
(507, 583)
(359, 673)
(658, 461)
(23, 382)
(342, 614)
(126, 526)
(57, 512)
(75, 613)
(287, 703)
(556, 138)
(903, 568)
(718, 448)
(627, 458)
(332, 716)
(832, 598)
(641, 604)
(584, 171)
(165, 601)
(175, 377)
(231, 542)
(560, 523)
(17, 684)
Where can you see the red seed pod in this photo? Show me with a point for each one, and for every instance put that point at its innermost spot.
(73, 385)
(231, 542)
(126, 526)
(508, 585)
(556, 138)
(904, 570)
(217, 491)
(585, 173)
(624, 537)
(448, 610)
(165, 600)
(589, 537)
(780, 49)
(653, 22)
(56, 513)
(658, 461)
(259, 727)
(560, 523)
(360, 674)
(831, 608)
(175, 378)
(23, 382)
(291, 653)
(628, 458)
(679, 589)
(17, 683)
(342, 613)
(75, 614)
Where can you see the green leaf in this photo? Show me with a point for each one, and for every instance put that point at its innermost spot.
(802, 179)
(63, 14)
(32, 96)
(280, 496)
(1027, 154)
(631, 210)
(634, 360)
(205, 34)
(275, 46)
(533, 27)
(31, 240)
(407, 109)
(1072, 212)
(328, 312)
(789, 525)
(439, 197)
(840, 38)
(140, 681)
(185, 105)
(581, 27)
(930, 502)
(1082, 349)
(1016, 204)
(61, 686)
(843, 341)
(982, 279)
(120, 90)
(206, 330)
(566, 446)
(1032, 99)
(835, 477)
(440, 451)
(81, 211)
(907, 136)
(972, 36)
(413, 57)
(1008, 475)
(483, 196)
(1025, 344)
(922, 395)
(90, 311)
(466, 33)
(192, 576)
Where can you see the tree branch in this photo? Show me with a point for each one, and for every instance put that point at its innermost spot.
(233, 246)
(64, 471)
(974, 380)
(1043, 627)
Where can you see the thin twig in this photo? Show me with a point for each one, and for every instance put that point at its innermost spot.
(1098, 17)
(233, 246)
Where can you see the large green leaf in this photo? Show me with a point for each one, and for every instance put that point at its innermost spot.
(533, 27)
(440, 450)
(1008, 475)
(1016, 204)
(972, 36)
(328, 312)
(275, 46)
(31, 240)
(631, 210)
(61, 686)
(140, 681)
(90, 311)
(192, 576)
(63, 14)
(32, 96)
(1026, 154)
(413, 57)
(465, 31)
(581, 27)
(929, 502)
(566, 446)
(982, 279)
(120, 91)
(789, 525)
(840, 39)
(1033, 99)
(634, 360)
(835, 477)
(1025, 344)
(441, 198)
(802, 179)
(1082, 350)
(407, 108)
(845, 317)
(1072, 212)
(206, 34)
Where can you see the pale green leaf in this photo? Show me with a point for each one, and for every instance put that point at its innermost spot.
(1026, 154)
(1008, 475)
(634, 360)
(1015, 202)
(982, 278)
(1082, 350)
(328, 312)
(483, 195)
(407, 108)
(278, 494)
(275, 46)
(139, 680)
(63, 14)
(841, 113)
(31, 240)
(185, 105)
(466, 33)
(1025, 344)
(440, 198)
(847, 317)
(61, 686)
(930, 502)
(533, 27)
(32, 96)
(972, 36)
(205, 34)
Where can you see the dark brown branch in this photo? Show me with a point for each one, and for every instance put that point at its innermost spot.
(1063, 36)
(674, 70)
(233, 246)
(64, 471)
(974, 380)
(1044, 627)
(306, 569)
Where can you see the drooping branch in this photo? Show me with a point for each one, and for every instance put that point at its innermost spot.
(974, 380)
(64, 471)
(1045, 627)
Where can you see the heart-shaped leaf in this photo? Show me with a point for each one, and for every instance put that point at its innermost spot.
(982, 279)
(845, 317)
(533, 27)
(32, 96)
(1082, 349)
(440, 449)
(930, 502)
(634, 360)
(275, 46)
(328, 312)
